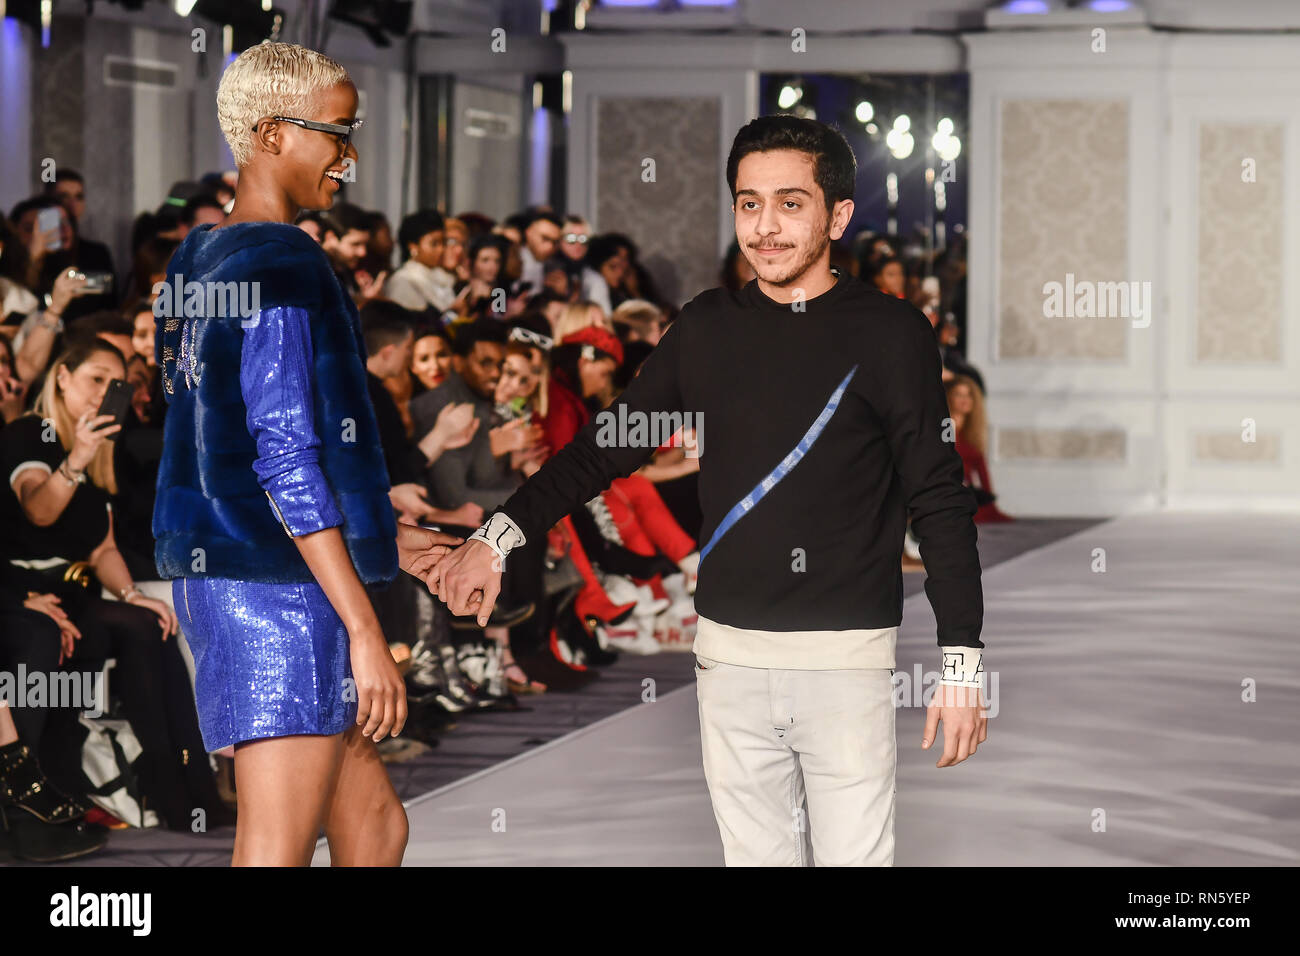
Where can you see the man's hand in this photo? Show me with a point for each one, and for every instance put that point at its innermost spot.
(965, 722)
(409, 501)
(468, 580)
(419, 549)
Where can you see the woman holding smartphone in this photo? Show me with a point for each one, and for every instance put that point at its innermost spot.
(272, 511)
(60, 539)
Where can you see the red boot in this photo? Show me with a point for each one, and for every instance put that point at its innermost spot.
(592, 601)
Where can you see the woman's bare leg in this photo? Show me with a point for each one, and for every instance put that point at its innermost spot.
(365, 822)
(284, 786)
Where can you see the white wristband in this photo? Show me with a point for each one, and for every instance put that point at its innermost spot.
(962, 667)
(500, 534)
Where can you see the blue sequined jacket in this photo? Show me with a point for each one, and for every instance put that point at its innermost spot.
(270, 432)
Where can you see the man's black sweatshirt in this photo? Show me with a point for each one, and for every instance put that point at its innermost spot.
(821, 549)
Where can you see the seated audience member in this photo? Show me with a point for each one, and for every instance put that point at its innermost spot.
(143, 326)
(421, 282)
(954, 362)
(378, 260)
(887, 276)
(17, 301)
(966, 406)
(479, 298)
(609, 259)
(430, 358)
(573, 238)
(13, 391)
(736, 270)
(389, 335)
(62, 520)
(471, 473)
(311, 223)
(541, 235)
(638, 320)
(455, 260)
(36, 337)
(149, 268)
(69, 188)
(56, 250)
(201, 210)
(579, 315)
(345, 233)
(556, 277)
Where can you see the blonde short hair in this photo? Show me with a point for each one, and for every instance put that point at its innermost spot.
(638, 312)
(270, 79)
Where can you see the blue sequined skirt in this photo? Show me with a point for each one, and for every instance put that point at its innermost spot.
(271, 660)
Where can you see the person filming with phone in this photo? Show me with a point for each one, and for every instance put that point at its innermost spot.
(53, 246)
(60, 540)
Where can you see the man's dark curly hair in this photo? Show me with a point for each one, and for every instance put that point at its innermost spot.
(834, 167)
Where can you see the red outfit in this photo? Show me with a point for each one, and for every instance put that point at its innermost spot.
(644, 523)
(973, 463)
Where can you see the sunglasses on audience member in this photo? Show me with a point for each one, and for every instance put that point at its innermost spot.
(344, 133)
(575, 237)
(529, 337)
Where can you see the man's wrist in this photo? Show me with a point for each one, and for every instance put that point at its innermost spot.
(500, 534)
(962, 666)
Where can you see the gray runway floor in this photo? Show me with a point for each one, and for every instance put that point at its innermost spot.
(1121, 735)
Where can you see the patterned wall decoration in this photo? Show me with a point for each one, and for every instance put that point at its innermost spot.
(1239, 252)
(673, 220)
(1062, 444)
(1063, 209)
(1228, 447)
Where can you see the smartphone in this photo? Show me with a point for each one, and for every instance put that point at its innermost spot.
(46, 220)
(117, 402)
(98, 282)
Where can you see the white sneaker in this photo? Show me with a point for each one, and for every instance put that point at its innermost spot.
(638, 638)
(647, 605)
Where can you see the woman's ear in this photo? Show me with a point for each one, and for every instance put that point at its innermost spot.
(267, 136)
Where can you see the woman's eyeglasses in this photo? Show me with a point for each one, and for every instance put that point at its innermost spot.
(344, 133)
(529, 337)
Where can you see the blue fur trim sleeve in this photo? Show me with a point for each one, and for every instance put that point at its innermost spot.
(275, 377)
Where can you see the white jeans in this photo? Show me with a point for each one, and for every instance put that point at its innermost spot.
(800, 763)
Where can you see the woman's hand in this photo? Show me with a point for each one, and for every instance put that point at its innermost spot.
(38, 246)
(90, 435)
(515, 435)
(381, 693)
(67, 287)
(166, 617)
(48, 604)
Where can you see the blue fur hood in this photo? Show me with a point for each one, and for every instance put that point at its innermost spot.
(221, 509)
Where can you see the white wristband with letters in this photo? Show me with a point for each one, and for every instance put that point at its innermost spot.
(962, 667)
(500, 534)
